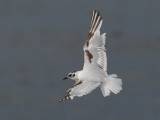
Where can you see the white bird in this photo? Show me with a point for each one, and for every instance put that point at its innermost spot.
(94, 73)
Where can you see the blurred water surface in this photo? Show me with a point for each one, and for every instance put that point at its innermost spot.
(41, 41)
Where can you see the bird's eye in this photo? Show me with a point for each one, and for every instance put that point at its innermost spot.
(70, 75)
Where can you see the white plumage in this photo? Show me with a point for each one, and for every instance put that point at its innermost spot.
(94, 73)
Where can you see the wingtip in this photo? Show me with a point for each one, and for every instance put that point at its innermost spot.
(95, 24)
(96, 11)
(101, 18)
(96, 18)
(61, 100)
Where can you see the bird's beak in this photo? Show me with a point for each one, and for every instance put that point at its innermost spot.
(65, 78)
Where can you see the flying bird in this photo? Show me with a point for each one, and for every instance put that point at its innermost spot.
(94, 72)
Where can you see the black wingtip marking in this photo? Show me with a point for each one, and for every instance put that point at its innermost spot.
(95, 21)
(68, 95)
(65, 98)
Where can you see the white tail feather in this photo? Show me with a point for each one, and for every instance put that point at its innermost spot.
(112, 84)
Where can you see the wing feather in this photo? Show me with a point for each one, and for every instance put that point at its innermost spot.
(94, 48)
(79, 89)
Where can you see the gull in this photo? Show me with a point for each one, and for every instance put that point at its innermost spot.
(94, 72)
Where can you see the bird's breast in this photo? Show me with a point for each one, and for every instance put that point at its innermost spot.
(92, 76)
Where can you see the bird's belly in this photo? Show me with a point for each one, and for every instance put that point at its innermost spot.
(97, 76)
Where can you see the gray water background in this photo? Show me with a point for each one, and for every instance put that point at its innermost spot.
(41, 42)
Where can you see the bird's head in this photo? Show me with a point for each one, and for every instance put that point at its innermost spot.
(72, 76)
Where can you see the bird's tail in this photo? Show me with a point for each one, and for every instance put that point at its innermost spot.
(112, 84)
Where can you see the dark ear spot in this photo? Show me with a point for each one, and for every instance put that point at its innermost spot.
(73, 75)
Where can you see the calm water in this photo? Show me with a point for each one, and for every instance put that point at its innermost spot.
(41, 41)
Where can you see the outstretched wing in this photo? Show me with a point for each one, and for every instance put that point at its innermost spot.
(79, 89)
(94, 48)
